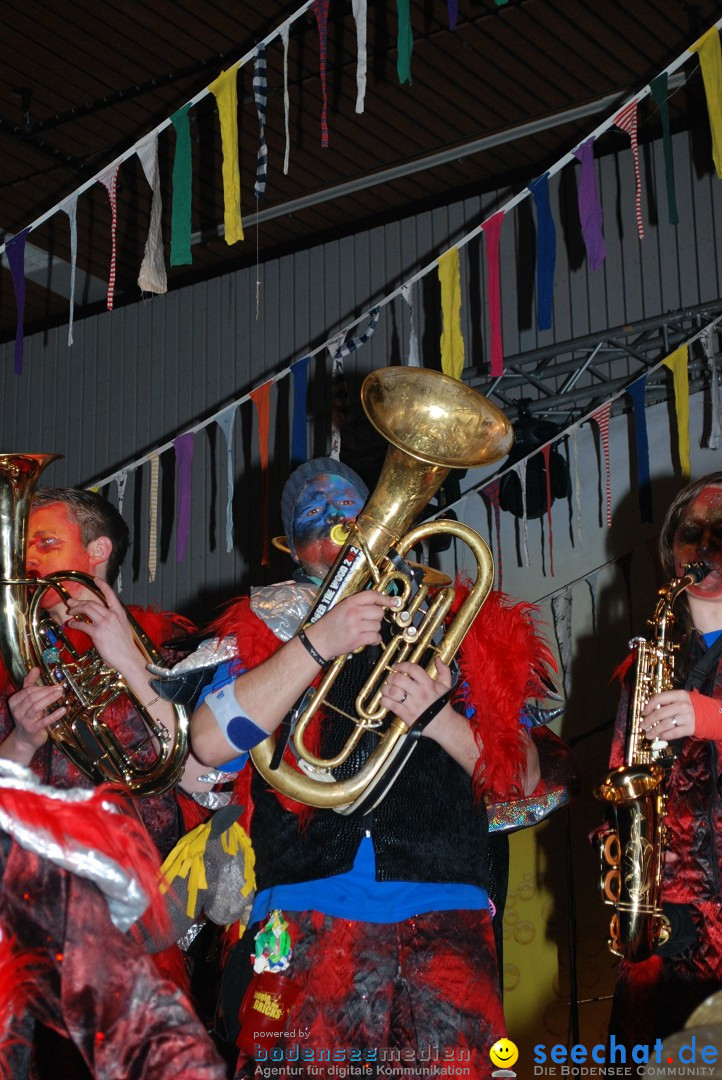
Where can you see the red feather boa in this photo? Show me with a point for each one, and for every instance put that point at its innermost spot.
(502, 661)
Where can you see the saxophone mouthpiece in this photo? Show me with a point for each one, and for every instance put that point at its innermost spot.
(698, 570)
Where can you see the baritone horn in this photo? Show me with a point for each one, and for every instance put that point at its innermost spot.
(30, 638)
(432, 423)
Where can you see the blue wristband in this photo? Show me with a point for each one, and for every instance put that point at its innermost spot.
(239, 730)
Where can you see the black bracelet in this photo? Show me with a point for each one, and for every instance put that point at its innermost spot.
(310, 649)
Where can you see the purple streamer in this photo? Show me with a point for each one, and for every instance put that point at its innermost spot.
(299, 440)
(453, 13)
(184, 458)
(15, 252)
(590, 209)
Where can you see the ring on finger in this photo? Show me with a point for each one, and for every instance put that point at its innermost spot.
(403, 697)
(675, 722)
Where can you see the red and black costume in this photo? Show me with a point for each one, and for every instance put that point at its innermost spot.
(65, 961)
(161, 814)
(432, 980)
(655, 997)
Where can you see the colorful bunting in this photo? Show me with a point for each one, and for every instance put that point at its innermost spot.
(152, 276)
(225, 91)
(590, 208)
(546, 251)
(109, 180)
(636, 392)
(710, 59)
(491, 491)
(320, 10)
(714, 440)
(15, 253)
(453, 6)
(452, 340)
(492, 229)
(574, 431)
(180, 226)
(660, 88)
(626, 119)
(677, 364)
(261, 399)
(545, 451)
(404, 42)
(183, 446)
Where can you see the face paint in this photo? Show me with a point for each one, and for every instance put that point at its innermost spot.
(55, 543)
(698, 538)
(325, 501)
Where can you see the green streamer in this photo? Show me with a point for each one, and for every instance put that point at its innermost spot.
(180, 228)
(659, 88)
(405, 42)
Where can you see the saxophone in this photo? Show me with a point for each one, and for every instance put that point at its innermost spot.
(632, 847)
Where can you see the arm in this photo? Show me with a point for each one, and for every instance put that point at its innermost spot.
(409, 691)
(266, 693)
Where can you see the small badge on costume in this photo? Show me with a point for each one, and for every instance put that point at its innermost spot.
(272, 948)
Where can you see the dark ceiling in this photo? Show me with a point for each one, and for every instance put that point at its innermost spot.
(83, 80)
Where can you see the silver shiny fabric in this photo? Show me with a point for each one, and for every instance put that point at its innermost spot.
(209, 653)
(283, 606)
(215, 799)
(126, 900)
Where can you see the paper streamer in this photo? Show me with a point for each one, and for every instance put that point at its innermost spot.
(299, 438)
(627, 121)
(183, 446)
(574, 431)
(226, 422)
(715, 435)
(121, 480)
(636, 392)
(287, 152)
(71, 209)
(15, 254)
(677, 364)
(261, 399)
(562, 618)
(520, 470)
(358, 8)
(601, 419)
(180, 225)
(320, 10)
(452, 341)
(660, 92)
(260, 95)
(545, 451)
(413, 357)
(153, 518)
(491, 491)
(225, 91)
(546, 251)
(590, 208)
(592, 581)
(492, 231)
(404, 42)
(152, 277)
(109, 180)
(710, 59)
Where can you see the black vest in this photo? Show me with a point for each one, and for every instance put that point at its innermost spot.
(428, 828)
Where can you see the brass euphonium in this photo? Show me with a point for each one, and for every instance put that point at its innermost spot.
(30, 638)
(433, 424)
(632, 848)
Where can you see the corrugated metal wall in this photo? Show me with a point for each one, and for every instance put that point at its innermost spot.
(140, 375)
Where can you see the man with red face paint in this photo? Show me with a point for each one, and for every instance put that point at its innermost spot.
(71, 529)
(654, 998)
(392, 947)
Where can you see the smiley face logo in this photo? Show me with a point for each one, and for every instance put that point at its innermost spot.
(504, 1053)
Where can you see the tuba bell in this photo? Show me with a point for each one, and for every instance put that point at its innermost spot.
(433, 423)
(30, 638)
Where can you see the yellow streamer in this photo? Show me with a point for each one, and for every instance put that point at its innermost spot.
(677, 364)
(225, 91)
(452, 340)
(710, 59)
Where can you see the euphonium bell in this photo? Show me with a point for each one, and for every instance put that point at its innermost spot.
(433, 424)
(30, 638)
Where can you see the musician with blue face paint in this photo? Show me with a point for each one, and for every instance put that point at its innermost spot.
(387, 914)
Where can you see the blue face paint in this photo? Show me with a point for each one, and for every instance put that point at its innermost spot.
(325, 501)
